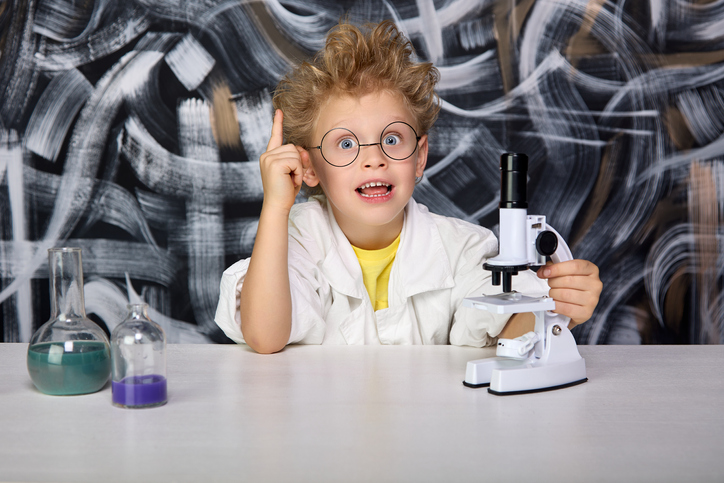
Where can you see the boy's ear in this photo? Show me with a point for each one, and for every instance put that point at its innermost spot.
(421, 156)
(310, 176)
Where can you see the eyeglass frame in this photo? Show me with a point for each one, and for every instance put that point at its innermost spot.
(360, 145)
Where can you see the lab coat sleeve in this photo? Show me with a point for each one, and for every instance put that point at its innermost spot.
(475, 327)
(306, 291)
(227, 311)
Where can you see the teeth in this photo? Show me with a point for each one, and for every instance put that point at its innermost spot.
(372, 185)
(373, 196)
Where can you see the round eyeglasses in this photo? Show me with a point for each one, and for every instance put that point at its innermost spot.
(340, 146)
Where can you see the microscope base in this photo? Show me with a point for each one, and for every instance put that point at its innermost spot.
(533, 378)
(508, 377)
(542, 389)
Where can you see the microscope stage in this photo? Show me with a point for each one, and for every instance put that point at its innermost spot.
(510, 303)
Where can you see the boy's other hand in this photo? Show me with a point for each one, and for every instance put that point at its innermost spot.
(282, 167)
(575, 287)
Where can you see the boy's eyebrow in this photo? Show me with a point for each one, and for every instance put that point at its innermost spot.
(383, 124)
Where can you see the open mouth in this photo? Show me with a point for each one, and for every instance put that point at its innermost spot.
(374, 189)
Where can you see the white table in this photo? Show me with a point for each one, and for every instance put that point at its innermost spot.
(310, 413)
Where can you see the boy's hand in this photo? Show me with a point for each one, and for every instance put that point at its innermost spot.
(575, 287)
(282, 168)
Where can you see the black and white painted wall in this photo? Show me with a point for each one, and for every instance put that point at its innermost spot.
(106, 143)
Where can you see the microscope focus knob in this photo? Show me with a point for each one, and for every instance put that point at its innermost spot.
(546, 243)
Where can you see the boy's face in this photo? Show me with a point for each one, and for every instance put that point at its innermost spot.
(370, 216)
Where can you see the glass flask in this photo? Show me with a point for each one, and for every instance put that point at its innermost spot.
(138, 354)
(69, 354)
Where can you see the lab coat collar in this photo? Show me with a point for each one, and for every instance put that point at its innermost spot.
(421, 263)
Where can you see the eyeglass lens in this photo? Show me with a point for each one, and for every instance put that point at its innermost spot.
(340, 147)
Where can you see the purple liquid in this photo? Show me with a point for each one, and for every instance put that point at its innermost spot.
(140, 391)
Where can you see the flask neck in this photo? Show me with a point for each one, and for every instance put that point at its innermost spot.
(137, 311)
(66, 283)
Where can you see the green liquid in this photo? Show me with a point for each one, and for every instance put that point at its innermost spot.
(85, 368)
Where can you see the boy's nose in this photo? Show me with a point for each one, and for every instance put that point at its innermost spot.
(372, 156)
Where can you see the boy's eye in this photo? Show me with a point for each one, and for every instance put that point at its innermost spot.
(347, 143)
(392, 140)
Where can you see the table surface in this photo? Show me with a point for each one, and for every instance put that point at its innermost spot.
(374, 413)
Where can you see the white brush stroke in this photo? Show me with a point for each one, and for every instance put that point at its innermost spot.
(171, 174)
(431, 30)
(255, 114)
(48, 24)
(190, 62)
(11, 162)
(55, 111)
(97, 45)
(204, 214)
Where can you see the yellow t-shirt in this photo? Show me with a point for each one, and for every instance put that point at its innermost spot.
(376, 266)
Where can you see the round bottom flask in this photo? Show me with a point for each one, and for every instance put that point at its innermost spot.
(69, 354)
(138, 355)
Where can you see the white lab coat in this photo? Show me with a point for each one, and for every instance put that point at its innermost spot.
(438, 263)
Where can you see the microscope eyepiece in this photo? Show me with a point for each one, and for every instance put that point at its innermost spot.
(513, 180)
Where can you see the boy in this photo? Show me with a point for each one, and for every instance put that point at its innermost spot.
(364, 263)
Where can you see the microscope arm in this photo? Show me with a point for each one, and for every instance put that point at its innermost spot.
(563, 252)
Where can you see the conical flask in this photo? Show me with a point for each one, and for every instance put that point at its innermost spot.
(138, 353)
(69, 354)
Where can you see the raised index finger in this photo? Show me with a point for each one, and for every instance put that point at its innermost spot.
(277, 133)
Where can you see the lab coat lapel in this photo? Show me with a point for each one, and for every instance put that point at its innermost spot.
(422, 262)
(341, 269)
(340, 265)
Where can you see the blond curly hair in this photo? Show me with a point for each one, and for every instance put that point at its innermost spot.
(357, 61)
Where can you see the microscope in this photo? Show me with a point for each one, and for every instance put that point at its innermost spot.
(548, 357)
